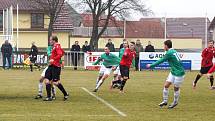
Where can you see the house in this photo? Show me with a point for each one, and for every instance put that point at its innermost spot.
(33, 24)
(146, 29)
(211, 30)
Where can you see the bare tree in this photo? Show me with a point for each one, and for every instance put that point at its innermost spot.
(52, 8)
(118, 8)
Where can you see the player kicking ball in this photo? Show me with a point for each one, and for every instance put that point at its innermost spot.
(117, 75)
(207, 62)
(125, 64)
(109, 63)
(176, 76)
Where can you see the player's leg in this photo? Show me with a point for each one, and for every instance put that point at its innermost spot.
(177, 84)
(124, 70)
(48, 90)
(40, 85)
(40, 88)
(169, 81)
(53, 90)
(105, 76)
(115, 78)
(48, 78)
(203, 70)
(56, 81)
(211, 78)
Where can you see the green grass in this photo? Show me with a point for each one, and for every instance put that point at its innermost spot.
(143, 93)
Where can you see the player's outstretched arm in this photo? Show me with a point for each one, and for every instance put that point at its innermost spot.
(165, 58)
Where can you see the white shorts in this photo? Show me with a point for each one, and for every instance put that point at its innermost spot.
(117, 71)
(176, 80)
(44, 72)
(104, 70)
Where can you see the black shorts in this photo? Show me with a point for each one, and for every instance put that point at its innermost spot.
(124, 70)
(53, 73)
(204, 70)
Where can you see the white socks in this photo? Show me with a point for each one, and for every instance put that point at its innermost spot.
(40, 90)
(165, 94)
(176, 96)
(99, 84)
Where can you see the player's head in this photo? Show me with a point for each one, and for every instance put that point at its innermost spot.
(132, 45)
(167, 45)
(53, 40)
(125, 44)
(210, 43)
(107, 50)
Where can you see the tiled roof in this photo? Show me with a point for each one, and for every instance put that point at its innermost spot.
(63, 22)
(187, 27)
(23, 4)
(144, 29)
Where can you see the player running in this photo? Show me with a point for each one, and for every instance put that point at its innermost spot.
(125, 64)
(52, 74)
(176, 76)
(110, 62)
(40, 85)
(117, 75)
(207, 62)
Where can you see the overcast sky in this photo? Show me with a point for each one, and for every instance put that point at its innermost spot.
(182, 8)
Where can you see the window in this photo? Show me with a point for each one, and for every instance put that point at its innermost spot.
(37, 20)
(1, 20)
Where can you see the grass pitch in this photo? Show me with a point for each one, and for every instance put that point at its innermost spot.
(139, 103)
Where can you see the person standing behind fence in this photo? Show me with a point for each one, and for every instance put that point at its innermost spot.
(110, 45)
(122, 45)
(138, 49)
(33, 55)
(86, 47)
(6, 50)
(75, 54)
(149, 47)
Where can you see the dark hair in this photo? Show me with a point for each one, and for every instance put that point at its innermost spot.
(168, 43)
(211, 41)
(86, 41)
(132, 43)
(55, 38)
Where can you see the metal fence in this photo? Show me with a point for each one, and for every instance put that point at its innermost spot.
(74, 59)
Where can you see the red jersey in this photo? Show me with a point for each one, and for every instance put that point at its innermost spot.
(56, 55)
(127, 57)
(207, 57)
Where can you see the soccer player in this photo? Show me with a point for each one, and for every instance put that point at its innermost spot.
(207, 62)
(125, 63)
(176, 76)
(110, 62)
(52, 74)
(117, 75)
(40, 85)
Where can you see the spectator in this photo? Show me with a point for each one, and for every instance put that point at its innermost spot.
(86, 47)
(121, 46)
(110, 45)
(6, 50)
(138, 49)
(75, 54)
(33, 56)
(149, 47)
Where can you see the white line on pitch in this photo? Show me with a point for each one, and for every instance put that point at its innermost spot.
(102, 115)
(105, 102)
